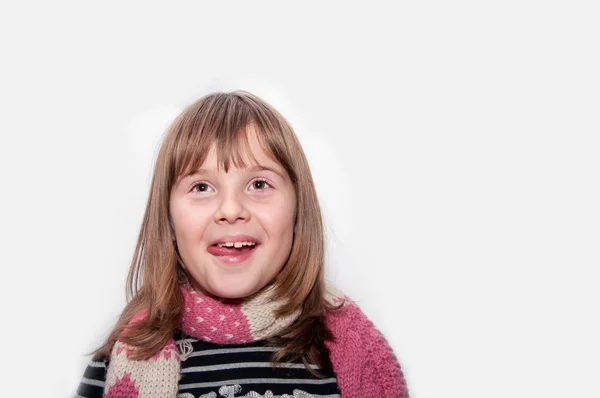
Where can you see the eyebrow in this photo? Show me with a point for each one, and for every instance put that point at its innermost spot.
(266, 168)
(251, 169)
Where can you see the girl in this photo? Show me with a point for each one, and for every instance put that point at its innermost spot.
(226, 290)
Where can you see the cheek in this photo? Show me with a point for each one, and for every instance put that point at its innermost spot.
(189, 224)
(189, 231)
(279, 222)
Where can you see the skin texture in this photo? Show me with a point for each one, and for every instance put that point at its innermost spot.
(209, 205)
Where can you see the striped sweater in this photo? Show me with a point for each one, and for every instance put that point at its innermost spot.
(242, 370)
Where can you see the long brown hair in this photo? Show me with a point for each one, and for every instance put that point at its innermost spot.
(154, 274)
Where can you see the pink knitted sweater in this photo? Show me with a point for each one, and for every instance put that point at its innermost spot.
(363, 361)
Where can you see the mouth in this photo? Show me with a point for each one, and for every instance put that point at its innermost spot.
(233, 253)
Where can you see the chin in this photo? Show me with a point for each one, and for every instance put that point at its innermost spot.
(233, 292)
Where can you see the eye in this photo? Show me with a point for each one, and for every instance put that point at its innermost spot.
(202, 187)
(260, 184)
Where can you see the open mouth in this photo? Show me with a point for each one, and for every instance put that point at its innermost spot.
(233, 253)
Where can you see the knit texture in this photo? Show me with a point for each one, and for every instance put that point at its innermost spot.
(232, 321)
(363, 361)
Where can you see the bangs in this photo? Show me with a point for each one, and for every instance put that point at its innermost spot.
(227, 124)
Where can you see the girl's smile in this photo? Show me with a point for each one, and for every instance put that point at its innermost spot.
(234, 249)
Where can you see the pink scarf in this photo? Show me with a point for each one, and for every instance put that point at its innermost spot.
(370, 371)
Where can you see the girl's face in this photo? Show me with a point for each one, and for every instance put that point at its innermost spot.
(211, 210)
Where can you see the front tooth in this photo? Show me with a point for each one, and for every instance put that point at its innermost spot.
(236, 244)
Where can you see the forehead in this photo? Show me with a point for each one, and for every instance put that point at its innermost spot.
(245, 152)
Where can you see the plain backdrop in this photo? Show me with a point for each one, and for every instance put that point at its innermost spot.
(455, 148)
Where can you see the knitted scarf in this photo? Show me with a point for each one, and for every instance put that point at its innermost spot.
(204, 318)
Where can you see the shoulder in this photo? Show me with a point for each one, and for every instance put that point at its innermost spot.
(361, 356)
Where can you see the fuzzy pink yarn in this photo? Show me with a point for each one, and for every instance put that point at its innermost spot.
(212, 320)
(364, 362)
(124, 388)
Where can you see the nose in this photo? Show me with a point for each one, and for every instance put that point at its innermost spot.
(231, 209)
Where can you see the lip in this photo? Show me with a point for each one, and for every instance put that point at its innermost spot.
(234, 259)
(236, 238)
(226, 257)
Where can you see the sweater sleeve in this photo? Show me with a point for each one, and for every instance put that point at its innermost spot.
(363, 360)
(92, 382)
